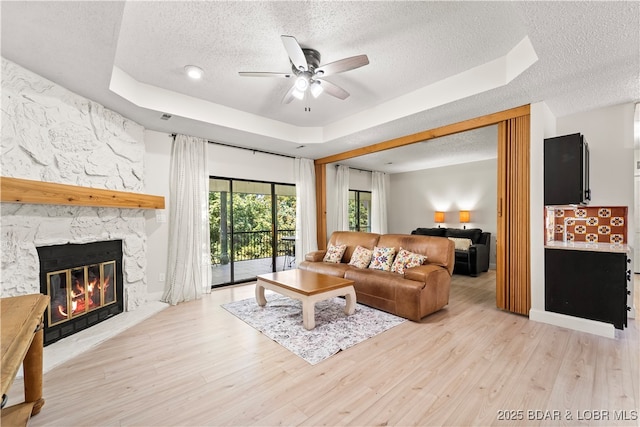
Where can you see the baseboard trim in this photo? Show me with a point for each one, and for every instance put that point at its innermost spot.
(155, 296)
(576, 323)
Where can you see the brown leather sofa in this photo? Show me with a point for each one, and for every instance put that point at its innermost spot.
(418, 292)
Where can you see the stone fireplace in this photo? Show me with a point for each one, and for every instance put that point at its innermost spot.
(52, 135)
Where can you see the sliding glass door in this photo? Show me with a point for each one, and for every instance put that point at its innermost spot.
(252, 229)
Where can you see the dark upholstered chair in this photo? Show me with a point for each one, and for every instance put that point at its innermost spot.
(472, 261)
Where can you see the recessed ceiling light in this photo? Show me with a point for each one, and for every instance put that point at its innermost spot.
(194, 72)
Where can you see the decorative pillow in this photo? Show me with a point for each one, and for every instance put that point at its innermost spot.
(361, 257)
(466, 233)
(461, 244)
(382, 258)
(334, 253)
(406, 259)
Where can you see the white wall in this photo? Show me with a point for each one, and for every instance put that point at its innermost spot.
(543, 125)
(238, 163)
(415, 196)
(224, 162)
(157, 163)
(359, 180)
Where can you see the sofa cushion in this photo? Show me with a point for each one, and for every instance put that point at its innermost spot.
(468, 233)
(382, 258)
(374, 282)
(438, 232)
(361, 257)
(438, 250)
(406, 259)
(334, 253)
(352, 239)
(460, 243)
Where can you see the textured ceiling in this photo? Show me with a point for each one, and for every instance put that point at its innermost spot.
(410, 51)
(470, 146)
(588, 57)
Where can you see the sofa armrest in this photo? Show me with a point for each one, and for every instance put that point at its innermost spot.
(421, 273)
(478, 259)
(315, 256)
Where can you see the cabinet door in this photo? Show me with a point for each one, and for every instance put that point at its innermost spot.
(591, 285)
(564, 172)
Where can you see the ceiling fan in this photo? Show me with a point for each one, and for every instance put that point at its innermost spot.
(306, 68)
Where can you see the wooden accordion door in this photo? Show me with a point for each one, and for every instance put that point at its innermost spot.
(513, 278)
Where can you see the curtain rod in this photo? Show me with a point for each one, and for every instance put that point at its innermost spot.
(357, 169)
(245, 148)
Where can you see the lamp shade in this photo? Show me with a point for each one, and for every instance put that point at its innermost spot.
(438, 217)
(464, 216)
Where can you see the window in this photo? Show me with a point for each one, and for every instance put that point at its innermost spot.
(359, 210)
(252, 226)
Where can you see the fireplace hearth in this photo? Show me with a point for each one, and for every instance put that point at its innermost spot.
(84, 283)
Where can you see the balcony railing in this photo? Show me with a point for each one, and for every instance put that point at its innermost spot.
(248, 245)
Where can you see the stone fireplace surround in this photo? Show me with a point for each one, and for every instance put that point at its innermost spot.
(51, 134)
(26, 227)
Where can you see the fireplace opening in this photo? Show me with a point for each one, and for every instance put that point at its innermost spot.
(84, 283)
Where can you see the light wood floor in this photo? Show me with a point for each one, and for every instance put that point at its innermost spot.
(196, 364)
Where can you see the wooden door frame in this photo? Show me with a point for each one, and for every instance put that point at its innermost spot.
(517, 213)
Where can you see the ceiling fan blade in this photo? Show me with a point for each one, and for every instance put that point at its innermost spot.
(288, 97)
(342, 65)
(265, 74)
(333, 90)
(295, 52)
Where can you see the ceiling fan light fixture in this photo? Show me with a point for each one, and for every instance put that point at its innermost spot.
(316, 89)
(194, 72)
(299, 94)
(302, 83)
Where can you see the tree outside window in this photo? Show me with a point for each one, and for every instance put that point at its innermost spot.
(359, 210)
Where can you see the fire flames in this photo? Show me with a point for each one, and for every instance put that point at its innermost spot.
(84, 297)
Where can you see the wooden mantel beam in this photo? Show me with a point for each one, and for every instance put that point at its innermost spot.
(17, 190)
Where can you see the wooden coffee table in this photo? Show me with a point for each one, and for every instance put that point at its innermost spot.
(308, 287)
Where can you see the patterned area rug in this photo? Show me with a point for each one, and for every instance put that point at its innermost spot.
(281, 320)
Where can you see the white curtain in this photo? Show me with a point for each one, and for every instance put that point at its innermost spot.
(188, 264)
(378, 203)
(342, 198)
(306, 237)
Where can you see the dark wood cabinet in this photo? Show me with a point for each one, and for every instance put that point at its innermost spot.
(587, 284)
(566, 170)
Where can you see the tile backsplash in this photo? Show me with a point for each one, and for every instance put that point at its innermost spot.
(601, 224)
